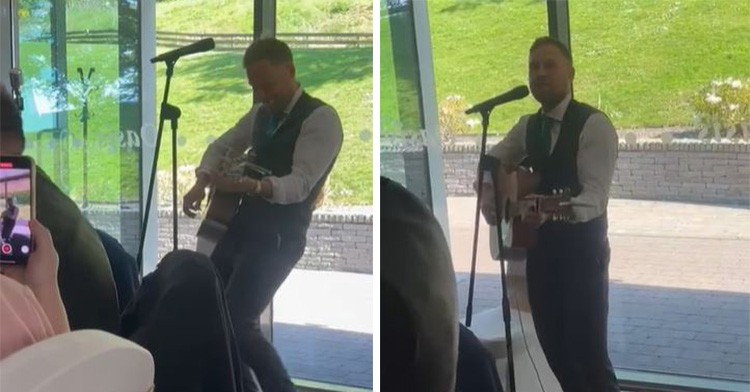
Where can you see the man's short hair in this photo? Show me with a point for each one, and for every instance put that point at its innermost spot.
(11, 124)
(541, 41)
(270, 49)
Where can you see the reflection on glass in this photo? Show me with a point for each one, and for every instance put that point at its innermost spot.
(403, 156)
(323, 311)
(480, 50)
(679, 299)
(81, 64)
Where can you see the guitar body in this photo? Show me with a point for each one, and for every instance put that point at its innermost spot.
(222, 207)
(518, 235)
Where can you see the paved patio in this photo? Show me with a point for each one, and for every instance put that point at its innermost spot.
(679, 292)
(323, 326)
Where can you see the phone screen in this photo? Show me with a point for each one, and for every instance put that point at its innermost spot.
(16, 209)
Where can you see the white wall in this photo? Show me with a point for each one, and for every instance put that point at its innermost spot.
(148, 88)
(5, 41)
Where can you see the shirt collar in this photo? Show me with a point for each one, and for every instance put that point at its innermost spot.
(294, 100)
(559, 111)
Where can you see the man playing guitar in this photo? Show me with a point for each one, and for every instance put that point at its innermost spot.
(297, 138)
(568, 146)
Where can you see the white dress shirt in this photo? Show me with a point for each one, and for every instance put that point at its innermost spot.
(597, 156)
(317, 145)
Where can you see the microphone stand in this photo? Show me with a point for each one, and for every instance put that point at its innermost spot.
(482, 150)
(171, 113)
(491, 164)
(85, 115)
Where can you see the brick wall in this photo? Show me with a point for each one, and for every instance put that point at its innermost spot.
(694, 172)
(408, 167)
(710, 173)
(122, 223)
(336, 241)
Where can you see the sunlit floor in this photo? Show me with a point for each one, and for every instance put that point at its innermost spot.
(323, 326)
(679, 289)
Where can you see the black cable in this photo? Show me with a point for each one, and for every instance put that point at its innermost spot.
(526, 342)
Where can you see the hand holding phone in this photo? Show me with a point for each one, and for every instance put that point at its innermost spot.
(17, 208)
(40, 273)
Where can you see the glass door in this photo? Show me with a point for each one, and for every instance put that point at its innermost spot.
(81, 65)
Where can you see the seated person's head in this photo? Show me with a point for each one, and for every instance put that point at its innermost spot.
(84, 267)
(418, 320)
(11, 127)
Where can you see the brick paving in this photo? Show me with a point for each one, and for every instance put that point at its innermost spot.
(323, 326)
(325, 355)
(679, 290)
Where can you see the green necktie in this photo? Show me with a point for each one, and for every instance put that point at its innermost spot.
(273, 124)
(545, 136)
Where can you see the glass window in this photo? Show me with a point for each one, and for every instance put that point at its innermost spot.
(480, 50)
(81, 65)
(210, 88)
(671, 74)
(403, 156)
(323, 311)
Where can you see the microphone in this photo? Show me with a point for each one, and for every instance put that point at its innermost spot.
(203, 45)
(512, 95)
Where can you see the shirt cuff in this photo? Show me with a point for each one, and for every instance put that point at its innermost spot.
(584, 211)
(210, 173)
(277, 190)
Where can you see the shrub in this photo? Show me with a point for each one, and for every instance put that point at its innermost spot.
(452, 119)
(722, 108)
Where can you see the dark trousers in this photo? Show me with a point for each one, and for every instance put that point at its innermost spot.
(7, 231)
(124, 268)
(476, 370)
(179, 315)
(568, 283)
(254, 258)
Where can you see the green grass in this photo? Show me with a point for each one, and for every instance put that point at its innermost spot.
(638, 61)
(680, 50)
(212, 104)
(236, 16)
(389, 118)
(211, 90)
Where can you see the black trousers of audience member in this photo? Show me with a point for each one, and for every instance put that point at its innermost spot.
(179, 315)
(476, 370)
(568, 283)
(254, 258)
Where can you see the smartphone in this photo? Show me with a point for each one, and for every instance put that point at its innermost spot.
(17, 208)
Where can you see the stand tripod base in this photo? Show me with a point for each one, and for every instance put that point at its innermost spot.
(532, 372)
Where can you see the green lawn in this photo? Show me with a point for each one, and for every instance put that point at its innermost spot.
(389, 118)
(236, 16)
(210, 89)
(213, 94)
(104, 155)
(639, 61)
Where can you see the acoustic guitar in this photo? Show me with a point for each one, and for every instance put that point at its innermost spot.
(223, 204)
(517, 199)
